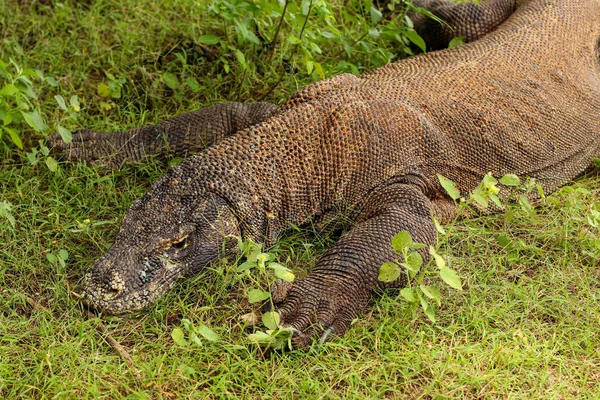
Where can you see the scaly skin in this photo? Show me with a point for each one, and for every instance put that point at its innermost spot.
(524, 99)
(178, 136)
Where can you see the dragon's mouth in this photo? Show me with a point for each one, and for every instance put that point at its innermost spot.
(115, 297)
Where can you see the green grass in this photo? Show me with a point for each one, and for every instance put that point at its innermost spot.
(526, 325)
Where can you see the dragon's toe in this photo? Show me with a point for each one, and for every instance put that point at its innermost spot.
(313, 310)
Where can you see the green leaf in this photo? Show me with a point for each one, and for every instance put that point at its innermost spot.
(439, 227)
(525, 204)
(282, 272)
(65, 134)
(375, 15)
(103, 90)
(430, 312)
(208, 333)
(61, 102)
(74, 101)
(409, 295)
(14, 136)
(170, 80)
(195, 339)
(510, 180)
(193, 84)
(457, 41)
(35, 120)
(261, 338)
(432, 293)
(9, 90)
(256, 295)
(208, 39)
(271, 320)
(63, 254)
(504, 241)
(52, 258)
(414, 37)
(51, 81)
(52, 164)
(402, 241)
(449, 187)
(389, 272)
(305, 6)
(246, 266)
(451, 278)
(439, 260)
(287, 276)
(179, 337)
(414, 261)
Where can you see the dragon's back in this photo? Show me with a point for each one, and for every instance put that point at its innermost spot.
(518, 100)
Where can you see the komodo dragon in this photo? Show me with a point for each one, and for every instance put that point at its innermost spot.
(523, 99)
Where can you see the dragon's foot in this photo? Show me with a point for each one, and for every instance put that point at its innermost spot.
(317, 308)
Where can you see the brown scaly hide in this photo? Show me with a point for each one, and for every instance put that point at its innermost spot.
(524, 99)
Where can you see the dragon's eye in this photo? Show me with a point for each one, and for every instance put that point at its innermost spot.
(181, 244)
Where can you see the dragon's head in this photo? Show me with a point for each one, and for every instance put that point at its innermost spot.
(164, 236)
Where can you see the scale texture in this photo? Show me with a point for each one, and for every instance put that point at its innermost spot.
(522, 99)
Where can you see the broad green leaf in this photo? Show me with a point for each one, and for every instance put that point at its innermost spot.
(9, 90)
(74, 101)
(439, 260)
(282, 338)
(457, 41)
(496, 201)
(409, 295)
(35, 120)
(432, 293)
(246, 266)
(414, 37)
(439, 227)
(430, 312)
(14, 136)
(261, 338)
(504, 241)
(179, 337)
(61, 102)
(450, 276)
(195, 339)
(253, 251)
(423, 301)
(525, 204)
(510, 180)
(63, 254)
(271, 320)
(282, 272)
(449, 187)
(193, 84)
(256, 295)
(401, 241)
(208, 333)
(208, 39)
(52, 258)
(389, 272)
(52, 164)
(414, 260)
(103, 90)
(480, 196)
(375, 15)
(170, 80)
(65, 134)
(51, 81)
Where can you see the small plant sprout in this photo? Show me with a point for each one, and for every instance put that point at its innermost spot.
(266, 270)
(412, 263)
(196, 334)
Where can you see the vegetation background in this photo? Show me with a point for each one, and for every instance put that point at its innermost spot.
(526, 325)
